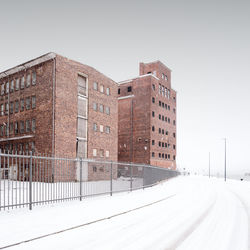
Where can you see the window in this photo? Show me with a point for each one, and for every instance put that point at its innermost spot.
(33, 146)
(166, 132)
(129, 89)
(166, 77)
(33, 102)
(174, 110)
(2, 89)
(119, 91)
(173, 146)
(17, 83)
(107, 153)
(95, 127)
(166, 145)
(162, 118)
(6, 108)
(174, 135)
(162, 144)
(107, 130)
(168, 120)
(107, 110)
(12, 86)
(166, 92)
(159, 155)
(16, 106)
(168, 156)
(174, 157)
(101, 108)
(162, 131)
(11, 107)
(95, 86)
(153, 154)
(162, 76)
(33, 77)
(159, 144)
(101, 153)
(108, 91)
(174, 122)
(16, 128)
(174, 98)
(168, 107)
(153, 86)
(21, 147)
(153, 114)
(11, 128)
(22, 82)
(101, 128)
(7, 130)
(160, 103)
(28, 80)
(153, 100)
(153, 142)
(159, 117)
(27, 126)
(2, 109)
(153, 128)
(159, 130)
(94, 169)
(7, 88)
(95, 106)
(94, 152)
(162, 155)
(1, 130)
(22, 105)
(27, 103)
(101, 88)
(33, 125)
(21, 127)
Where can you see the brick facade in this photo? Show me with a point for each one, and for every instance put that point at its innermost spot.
(147, 117)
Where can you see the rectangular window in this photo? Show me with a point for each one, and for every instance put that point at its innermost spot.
(11, 128)
(12, 86)
(174, 135)
(2, 89)
(28, 80)
(153, 154)
(119, 91)
(173, 146)
(82, 85)
(33, 125)
(17, 83)
(101, 153)
(2, 109)
(27, 126)
(27, 103)
(107, 153)
(33, 146)
(7, 88)
(159, 143)
(101, 108)
(174, 110)
(33, 102)
(153, 100)
(107, 110)
(153, 114)
(16, 128)
(95, 106)
(129, 89)
(174, 122)
(11, 108)
(101, 128)
(108, 91)
(33, 77)
(7, 130)
(153, 142)
(107, 130)
(160, 103)
(6, 108)
(94, 152)
(95, 127)
(101, 88)
(159, 130)
(21, 127)
(1, 130)
(95, 85)
(22, 82)
(16, 106)
(22, 105)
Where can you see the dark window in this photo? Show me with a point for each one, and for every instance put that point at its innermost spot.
(153, 100)
(11, 128)
(162, 155)
(27, 103)
(153, 154)
(168, 156)
(174, 157)
(153, 142)
(16, 128)
(174, 110)
(163, 104)
(168, 120)
(162, 118)
(22, 105)
(11, 107)
(159, 117)
(168, 107)
(159, 130)
(33, 125)
(119, 91)
(159, 155)
(153, 128)
(166, 145)
(162, 131)
(129, 89)
(27, 125)
(174, 135)
(21, 127)
(153, 113)
(6, 108)
(166, 132)
(16, 106)
(173, 146)
(162, 144)
(33, 146)
(153, 87)
(159, 143)
(174, 122)
(33, 102)
(159, 103)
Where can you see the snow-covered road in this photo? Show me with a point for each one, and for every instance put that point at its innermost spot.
(183, 213)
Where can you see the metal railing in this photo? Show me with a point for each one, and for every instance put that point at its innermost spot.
(30, 180)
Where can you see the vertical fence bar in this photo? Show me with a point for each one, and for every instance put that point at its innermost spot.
(111, 178)
(80, 179)
(30, 182)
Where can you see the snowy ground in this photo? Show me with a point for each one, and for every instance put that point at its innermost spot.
(193, 213)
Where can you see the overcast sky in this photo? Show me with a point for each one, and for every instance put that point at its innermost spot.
(205, 43)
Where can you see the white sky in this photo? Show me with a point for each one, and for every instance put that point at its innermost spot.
(205, 43)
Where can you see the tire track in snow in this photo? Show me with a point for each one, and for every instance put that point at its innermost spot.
(87, 223)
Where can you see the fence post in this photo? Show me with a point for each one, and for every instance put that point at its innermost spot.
(131, 174)
(80, 179)
(111, 178)
(30, 182)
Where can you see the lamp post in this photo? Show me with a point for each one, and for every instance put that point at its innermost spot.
(225, 168)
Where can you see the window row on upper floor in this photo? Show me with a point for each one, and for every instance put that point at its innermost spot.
(18, 83)
(101, 108)
(164, 156)
(101, 128)
(18, 105)
(163, 144)
(101, 88)
(162, 131)
(19, 148)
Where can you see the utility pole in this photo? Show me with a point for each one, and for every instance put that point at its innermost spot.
(225, 169)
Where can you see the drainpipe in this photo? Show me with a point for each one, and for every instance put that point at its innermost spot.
(53, 107)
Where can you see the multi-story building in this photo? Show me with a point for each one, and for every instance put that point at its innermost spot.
(55, 106)
(147, 117)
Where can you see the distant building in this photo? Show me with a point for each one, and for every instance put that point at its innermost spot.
(55, 106)
(147, 117)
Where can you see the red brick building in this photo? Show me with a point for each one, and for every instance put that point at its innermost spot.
(55, 106)
(147, 117)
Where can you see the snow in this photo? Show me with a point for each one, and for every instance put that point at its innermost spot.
(189, 213)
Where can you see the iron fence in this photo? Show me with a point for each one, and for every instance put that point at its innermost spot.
(30, 180)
